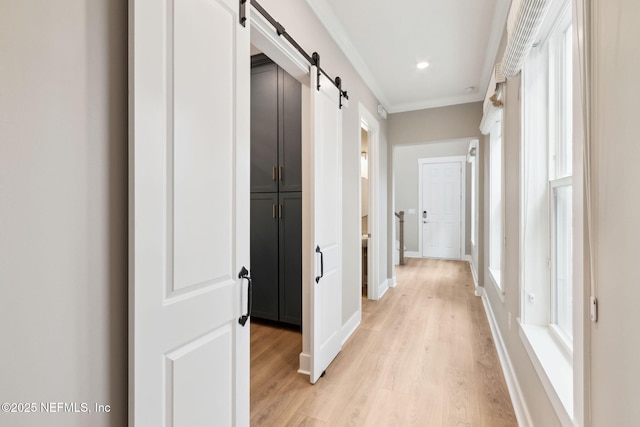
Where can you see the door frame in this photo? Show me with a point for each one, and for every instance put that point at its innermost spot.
(265, 38)
(372, 126)
(463, 197)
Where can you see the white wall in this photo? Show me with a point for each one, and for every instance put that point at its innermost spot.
(63, 212)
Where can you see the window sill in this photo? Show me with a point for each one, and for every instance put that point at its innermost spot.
(494, 276)
(553, 367)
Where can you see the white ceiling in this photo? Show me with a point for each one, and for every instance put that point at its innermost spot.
(385, 39)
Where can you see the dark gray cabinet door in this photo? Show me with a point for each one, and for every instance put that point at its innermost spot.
(276, 198)
(264, 128)
(290, 141)
(264, 255)
(290, 231)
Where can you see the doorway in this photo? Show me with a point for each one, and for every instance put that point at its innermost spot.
(364, 203)
(441, 207)
(370, 231)
(322, 242)
(276, 224)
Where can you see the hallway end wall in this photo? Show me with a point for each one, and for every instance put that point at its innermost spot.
(407, 177)
(432, 125)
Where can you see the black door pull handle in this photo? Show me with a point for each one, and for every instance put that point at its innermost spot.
(244, 274)
(318, 251)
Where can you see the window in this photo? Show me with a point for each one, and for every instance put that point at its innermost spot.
(560, 181)
(561, 279)
(546, 206)
(495, 202)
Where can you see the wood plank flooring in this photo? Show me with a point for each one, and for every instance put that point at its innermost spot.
(422, 356)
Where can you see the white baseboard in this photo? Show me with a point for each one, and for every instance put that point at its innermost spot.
(392, 282)
(412, 254)
(347, 330)
(474, 272)
(350, 327)
(515, 391)
(305, 364)
(383, 288)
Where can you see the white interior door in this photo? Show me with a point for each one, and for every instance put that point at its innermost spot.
(441, 211)
(326, 176)
(189, 213)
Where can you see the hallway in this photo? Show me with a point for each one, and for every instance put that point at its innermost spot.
(422, 356)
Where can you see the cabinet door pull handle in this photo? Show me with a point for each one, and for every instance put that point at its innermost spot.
(273, 211)
(273, 173)
(280, 173)
(244, 274)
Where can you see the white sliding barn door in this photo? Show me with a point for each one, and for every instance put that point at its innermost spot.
(326, 176)
(189, 213)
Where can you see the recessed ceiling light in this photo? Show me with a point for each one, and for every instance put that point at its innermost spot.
(422, 65)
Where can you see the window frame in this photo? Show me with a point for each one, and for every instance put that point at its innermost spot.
(560, 335)
(496, 190)
(548, 346)
(560, 158)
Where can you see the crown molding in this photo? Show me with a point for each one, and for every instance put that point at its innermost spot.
(330, 21)
(498, 26)
(435, 103)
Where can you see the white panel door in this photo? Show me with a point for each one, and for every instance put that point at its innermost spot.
(326, 296)
(441, 211)
(189, 213)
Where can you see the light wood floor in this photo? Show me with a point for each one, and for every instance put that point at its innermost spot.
(422, 356)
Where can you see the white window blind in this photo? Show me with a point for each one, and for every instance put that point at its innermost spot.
(523, 25)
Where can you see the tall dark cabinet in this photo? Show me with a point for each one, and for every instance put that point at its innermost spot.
(276, 193)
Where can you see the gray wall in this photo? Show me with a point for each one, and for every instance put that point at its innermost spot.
(406, 177)
(615, 342)
(436, 124)
(63, 208)
(427, 126)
